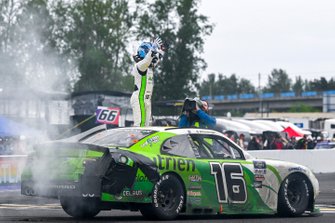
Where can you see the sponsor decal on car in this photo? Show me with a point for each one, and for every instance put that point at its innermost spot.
(259, 164)
(168, 163)
(151, 141)
(88, 195)
(195, 187)
(142, 178)
(66, 187)
(299, 169)
(194, 200)
(132, 193)
(192, 193)
(259, 177)
(195, 178)
(257, 184)
(260, 171)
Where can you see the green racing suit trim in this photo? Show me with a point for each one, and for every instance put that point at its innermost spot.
(141, 99)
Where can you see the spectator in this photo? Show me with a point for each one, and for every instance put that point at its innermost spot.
(277, 143)
(255, 143)
(310, 143)
(291, 143)
(302, 143)
(241, 141)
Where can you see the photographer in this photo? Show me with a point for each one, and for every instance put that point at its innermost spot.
(195, 114)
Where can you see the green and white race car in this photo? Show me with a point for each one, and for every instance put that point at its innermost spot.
(164, 171)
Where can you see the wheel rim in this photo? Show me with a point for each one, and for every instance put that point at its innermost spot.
(167, 197)
(294, 193)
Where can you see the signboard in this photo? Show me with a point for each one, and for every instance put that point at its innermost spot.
(108, 115)
(299, 124)
(10, 169)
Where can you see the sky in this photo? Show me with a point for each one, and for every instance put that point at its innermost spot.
(255, 37)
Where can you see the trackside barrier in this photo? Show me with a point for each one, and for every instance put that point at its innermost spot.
(319, 160)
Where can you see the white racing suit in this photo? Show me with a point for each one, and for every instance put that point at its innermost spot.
(141, 98)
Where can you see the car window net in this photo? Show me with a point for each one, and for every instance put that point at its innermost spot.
(118, 137)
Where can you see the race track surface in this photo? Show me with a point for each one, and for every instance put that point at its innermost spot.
(17, 208)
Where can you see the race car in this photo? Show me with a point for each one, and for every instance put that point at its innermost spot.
(163, 172)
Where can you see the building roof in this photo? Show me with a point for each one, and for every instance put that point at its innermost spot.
(286, 115)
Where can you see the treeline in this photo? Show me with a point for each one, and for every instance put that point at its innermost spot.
(83, 45)
(278, 81)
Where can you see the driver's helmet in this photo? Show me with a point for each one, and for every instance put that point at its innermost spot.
(143, 49)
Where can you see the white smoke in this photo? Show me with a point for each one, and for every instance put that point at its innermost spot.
(31, 71)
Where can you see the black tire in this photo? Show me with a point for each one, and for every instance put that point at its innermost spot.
(168, 199)
(293, 196)
(79, 207)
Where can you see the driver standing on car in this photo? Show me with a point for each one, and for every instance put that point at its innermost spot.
(146, 59)
(198, 117)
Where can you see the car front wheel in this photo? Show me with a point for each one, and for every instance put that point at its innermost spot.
(293, 195)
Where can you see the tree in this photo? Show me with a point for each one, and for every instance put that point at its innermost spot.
(9, 72)
(298, 85)
(38, 60)
(319, 84)
(95, 33)
(245, 86)
(301, 107)
(179, 23)
(225, 85)
(278, 81)
(208, 87)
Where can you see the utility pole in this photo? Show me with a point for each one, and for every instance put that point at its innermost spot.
(260, 94)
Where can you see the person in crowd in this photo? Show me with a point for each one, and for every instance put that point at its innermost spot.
(277, 143)
(291, 143)
(255, 143)
(310, 143)
(241, 140)
(146, 59)
(196, 115)
(302, 143)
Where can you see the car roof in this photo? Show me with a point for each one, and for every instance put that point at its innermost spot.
(177, 130)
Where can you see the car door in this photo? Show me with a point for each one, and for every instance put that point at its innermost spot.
(221, 164)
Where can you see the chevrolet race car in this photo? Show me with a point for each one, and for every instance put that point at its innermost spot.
(165, 171)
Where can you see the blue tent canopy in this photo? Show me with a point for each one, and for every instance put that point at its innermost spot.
(9, 127)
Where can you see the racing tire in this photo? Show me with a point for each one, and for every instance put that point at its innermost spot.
(294, 195)
(80, 207)
(168, 198)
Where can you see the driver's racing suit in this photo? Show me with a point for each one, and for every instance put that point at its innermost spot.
(140, 100)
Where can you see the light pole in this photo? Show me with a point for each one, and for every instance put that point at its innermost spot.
(260, 95)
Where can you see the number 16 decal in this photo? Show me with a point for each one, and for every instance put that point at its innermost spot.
(230, 185)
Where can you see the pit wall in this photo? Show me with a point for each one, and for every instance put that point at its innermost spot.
(319, 161)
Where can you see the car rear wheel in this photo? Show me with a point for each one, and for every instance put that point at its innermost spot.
(167, 199)
(80, 207)
(293, 196)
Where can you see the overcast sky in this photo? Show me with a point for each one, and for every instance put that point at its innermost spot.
(252, 37)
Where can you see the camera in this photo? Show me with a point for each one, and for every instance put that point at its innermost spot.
(189, 105)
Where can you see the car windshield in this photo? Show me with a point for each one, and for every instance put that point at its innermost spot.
(118, 137)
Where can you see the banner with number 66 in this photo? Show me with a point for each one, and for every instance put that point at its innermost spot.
(107, 115)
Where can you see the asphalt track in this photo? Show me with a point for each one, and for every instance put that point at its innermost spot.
(17, 208)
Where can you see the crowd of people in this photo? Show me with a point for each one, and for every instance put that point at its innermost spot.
(276, 141)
